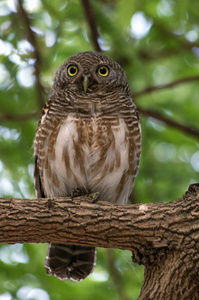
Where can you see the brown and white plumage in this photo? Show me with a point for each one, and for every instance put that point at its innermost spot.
(88, 138)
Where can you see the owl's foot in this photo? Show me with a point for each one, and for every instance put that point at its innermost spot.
(82, 192)
(78, 193)
(94, 196)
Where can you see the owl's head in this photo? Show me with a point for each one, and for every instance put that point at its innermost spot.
(90, 72)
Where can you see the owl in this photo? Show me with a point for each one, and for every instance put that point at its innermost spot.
(89, 140)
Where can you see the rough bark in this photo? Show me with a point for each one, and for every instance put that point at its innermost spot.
(162, 236)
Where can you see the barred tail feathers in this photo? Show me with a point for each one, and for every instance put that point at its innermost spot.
(70, 262)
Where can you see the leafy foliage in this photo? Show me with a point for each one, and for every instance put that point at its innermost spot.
(156, 42)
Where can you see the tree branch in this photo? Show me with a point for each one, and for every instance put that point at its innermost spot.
(155, 55)
(92, 24)
(156, 115)
(36, 53)
(19, 117)
(104, 225)
(163, 236)
(150, 89)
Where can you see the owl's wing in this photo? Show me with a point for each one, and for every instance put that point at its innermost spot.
(45, 111)
(37, 180)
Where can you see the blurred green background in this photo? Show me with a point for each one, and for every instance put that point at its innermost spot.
(156, 42)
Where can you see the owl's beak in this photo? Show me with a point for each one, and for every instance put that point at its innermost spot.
(85, 83)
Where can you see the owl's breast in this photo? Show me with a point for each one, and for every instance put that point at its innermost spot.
(93, 155)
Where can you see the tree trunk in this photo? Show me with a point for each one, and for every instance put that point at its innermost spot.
(164, 237)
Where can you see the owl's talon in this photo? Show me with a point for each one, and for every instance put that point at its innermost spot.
(76, 193)
(94, 196)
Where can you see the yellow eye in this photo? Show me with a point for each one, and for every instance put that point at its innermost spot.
(103, 71)
(72, 70)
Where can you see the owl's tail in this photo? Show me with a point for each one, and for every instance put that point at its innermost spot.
(70, 262)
